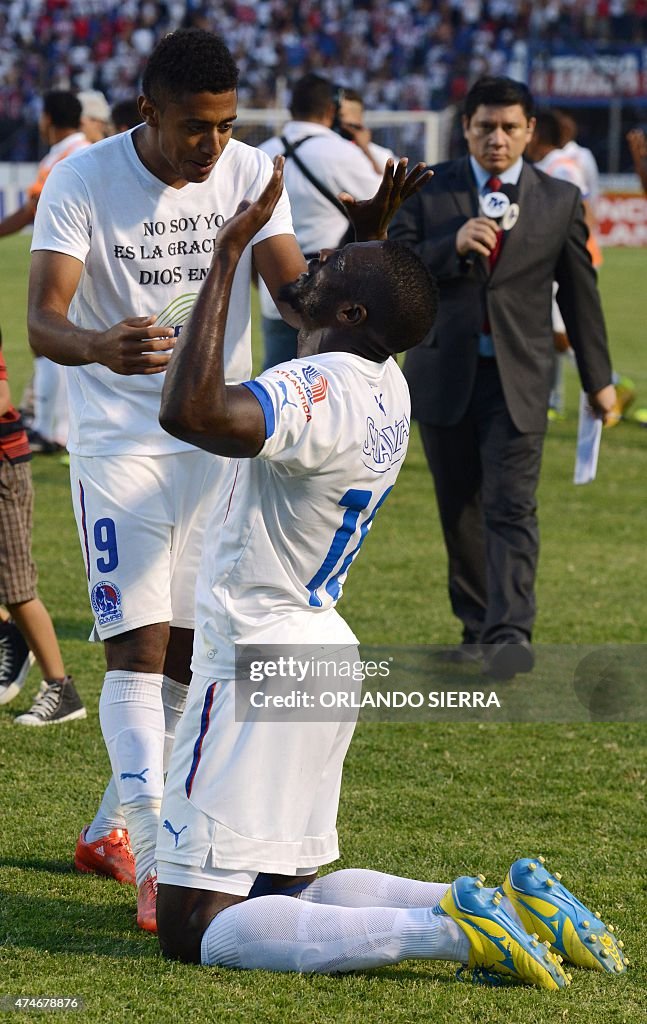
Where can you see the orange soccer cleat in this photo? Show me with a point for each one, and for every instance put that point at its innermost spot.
(110, 855)
(147, 903)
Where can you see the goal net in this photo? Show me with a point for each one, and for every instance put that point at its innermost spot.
(417, 134)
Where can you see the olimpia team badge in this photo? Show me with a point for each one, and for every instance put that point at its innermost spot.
(106, 603)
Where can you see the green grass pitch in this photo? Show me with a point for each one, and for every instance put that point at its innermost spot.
(421, 799)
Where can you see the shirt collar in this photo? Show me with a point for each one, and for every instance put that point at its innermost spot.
(509, 177)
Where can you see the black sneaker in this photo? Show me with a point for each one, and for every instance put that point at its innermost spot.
(55, 702)
(15, 661)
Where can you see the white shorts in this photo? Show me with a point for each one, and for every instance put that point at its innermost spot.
(141, 521)
(247, 797)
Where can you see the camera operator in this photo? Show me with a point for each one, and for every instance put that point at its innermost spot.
(349, 122)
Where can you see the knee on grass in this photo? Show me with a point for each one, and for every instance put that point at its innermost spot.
(183, 915)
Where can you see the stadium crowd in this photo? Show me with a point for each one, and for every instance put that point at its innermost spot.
(407, 54)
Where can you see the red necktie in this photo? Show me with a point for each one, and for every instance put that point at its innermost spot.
(492, 185)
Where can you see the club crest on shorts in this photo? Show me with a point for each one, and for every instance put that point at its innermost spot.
(106, 603)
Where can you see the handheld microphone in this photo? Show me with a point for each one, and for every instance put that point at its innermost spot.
(501, 206)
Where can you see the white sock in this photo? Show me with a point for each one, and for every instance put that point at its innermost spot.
(109, 816)
(280, 933)
(355, 887)
(174, 696)
(142, 819)
(132, 722)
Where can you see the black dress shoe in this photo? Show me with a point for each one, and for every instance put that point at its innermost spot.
(505, 659)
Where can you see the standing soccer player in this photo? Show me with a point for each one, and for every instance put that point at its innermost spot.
(121, 242)
(123, 239)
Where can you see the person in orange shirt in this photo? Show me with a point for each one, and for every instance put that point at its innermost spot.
(59, 127)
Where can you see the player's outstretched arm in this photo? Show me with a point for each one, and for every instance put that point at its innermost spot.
(197, 405)
(371, 217)
(133, 346)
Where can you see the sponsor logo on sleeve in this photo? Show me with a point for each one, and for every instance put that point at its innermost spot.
(317, 383)
(303, 394)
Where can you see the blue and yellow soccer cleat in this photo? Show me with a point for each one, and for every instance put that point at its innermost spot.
(548, 909)
(499, 949)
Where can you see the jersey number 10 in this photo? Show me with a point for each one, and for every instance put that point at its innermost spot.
(355, 502)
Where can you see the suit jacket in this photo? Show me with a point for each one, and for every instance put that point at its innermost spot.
(547, 243)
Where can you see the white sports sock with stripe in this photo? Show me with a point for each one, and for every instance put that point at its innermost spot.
(174, 696)
(280, 933)
(356, 887)
(109, 816)
(132, 721)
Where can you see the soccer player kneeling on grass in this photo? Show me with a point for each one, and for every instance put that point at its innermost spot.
(249, 809)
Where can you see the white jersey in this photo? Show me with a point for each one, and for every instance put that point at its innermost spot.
(278, 550)
(339, 165)
(145, 247)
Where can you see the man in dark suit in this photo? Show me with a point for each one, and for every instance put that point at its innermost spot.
(480, 381)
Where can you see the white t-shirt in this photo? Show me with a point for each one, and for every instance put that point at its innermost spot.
(145, 247)
(339, 165)
(278, 548)
(558, 164)
(587, 164)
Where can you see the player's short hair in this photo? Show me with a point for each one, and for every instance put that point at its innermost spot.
(187, 61)
(312, 96)
(548, 130)
(498, 91)
(406, 309)
(63, 108)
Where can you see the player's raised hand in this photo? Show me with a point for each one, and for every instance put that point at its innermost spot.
(371, 217)
(249, 218)
(136, 345)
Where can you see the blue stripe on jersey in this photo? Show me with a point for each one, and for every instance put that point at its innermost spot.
(266, 404)
(85, 528)
(204, 725)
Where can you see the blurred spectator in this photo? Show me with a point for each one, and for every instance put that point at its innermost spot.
(96, 119)
(60, 128)
(407, 54)
(125, 115)
(637, 141)
(545, 151)
(319, 165)
(349, 122)
(582, 156)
